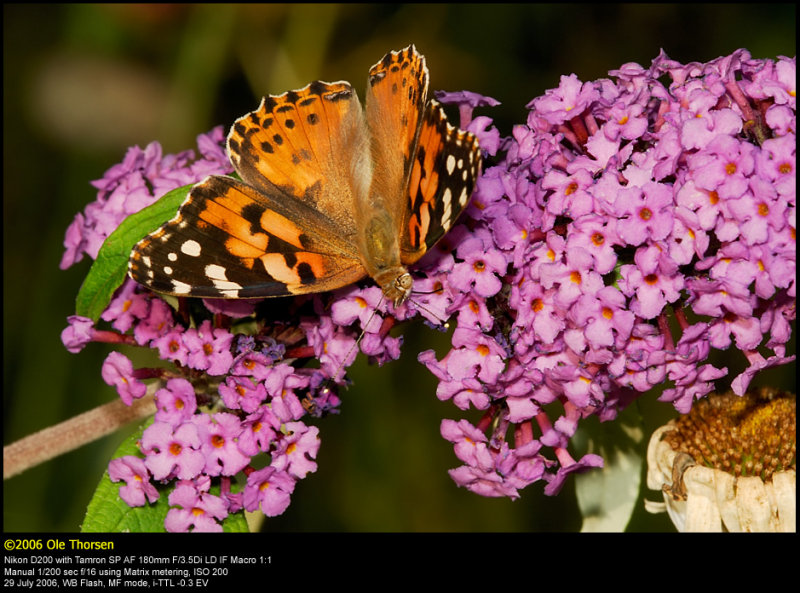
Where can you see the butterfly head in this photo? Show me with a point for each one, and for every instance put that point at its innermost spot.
(399, 290)
(396, 284)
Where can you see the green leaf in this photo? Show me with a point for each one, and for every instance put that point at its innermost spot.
(607, 496)
(111, 266)
(107, 512)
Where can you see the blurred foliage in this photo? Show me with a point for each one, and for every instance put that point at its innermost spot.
(84, 82)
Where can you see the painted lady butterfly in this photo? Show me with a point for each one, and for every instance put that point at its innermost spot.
(330, 193)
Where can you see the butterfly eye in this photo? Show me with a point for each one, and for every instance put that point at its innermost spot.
(404, 282)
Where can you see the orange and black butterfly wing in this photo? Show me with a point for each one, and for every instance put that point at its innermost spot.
(288, 227)
(425, 168)
(231, 241)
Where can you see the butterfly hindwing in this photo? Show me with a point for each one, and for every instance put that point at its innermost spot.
(230, 241)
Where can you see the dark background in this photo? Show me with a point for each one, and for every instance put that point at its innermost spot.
(82, 83)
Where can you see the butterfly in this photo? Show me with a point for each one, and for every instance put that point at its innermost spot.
(330, 193)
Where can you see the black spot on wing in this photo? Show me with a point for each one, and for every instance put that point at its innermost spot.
(306, 273)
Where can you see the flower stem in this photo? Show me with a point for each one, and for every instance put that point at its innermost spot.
(73, 433)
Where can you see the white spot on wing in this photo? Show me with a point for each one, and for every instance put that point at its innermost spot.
(180, 287)
(191, 248)
(447, 208)
(217, 274)
(451, 164)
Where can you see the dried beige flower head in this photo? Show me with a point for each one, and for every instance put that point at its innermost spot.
(728, 465)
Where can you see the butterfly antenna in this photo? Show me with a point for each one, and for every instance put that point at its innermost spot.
(443, 322)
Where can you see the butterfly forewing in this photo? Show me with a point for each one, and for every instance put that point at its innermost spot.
(231, 241)
(303, 142)
(397, 90)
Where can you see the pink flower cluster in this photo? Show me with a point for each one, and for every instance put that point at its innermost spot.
(232, 402)
(630, 226)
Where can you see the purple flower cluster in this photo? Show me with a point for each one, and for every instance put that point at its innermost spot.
(620, 211)
(628, 228)
(236, 392)
(138, 181)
